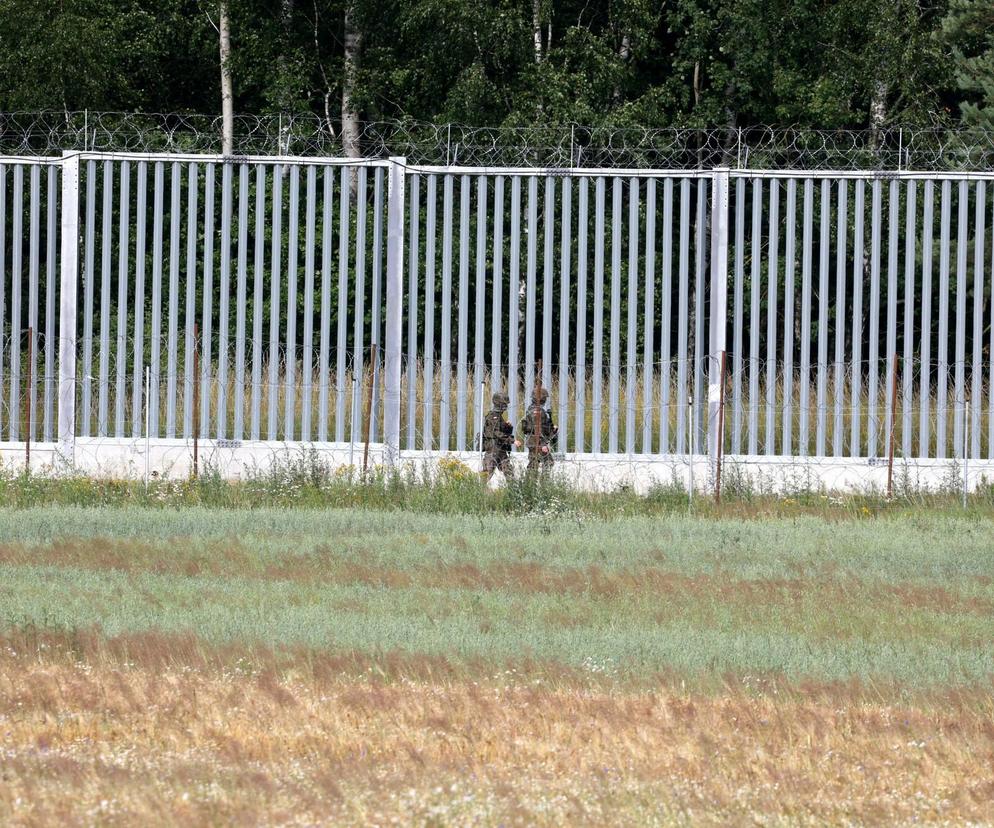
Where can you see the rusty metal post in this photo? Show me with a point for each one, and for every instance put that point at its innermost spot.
(719, 449)
(196, 401)
(893, 430)
(27, 402)
(368, 407)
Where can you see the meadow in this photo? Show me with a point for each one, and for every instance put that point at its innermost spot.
(558, 662)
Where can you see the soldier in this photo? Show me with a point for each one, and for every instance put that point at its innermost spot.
(539, 432)
(498, 437)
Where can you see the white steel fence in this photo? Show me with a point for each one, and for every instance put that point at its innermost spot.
(279, 298)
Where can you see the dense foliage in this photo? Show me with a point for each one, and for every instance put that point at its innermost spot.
(815, 63)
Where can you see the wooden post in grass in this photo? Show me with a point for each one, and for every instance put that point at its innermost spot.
(369, 407)
(893, 430)
(196, 402)
(721, 431)
(27, 402)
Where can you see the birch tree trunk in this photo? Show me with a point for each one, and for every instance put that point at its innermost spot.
(227, 93)
(537, 29)
(350, 116)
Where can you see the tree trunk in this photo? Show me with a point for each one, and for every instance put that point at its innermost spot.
(537, 29)
(285, 84)
(625, 53)
(878, 112)
(227, 93)
(350, 116)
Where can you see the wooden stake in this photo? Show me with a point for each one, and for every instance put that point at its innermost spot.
(369, 406)
(893, 430)
(721, 432)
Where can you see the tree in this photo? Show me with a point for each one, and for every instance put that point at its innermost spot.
(968, 32)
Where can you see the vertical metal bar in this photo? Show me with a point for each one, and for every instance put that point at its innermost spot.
(700, 307)
(445, 368)
(514, 299)
(429, 349)
(174, 219)
(804, 336)
(123, 233)
(63, 394)
(307, 380)
(615, 345)
(942, 368)
(892, 253)
(462, 357)
(50, 270)
(596, 402)
(565, 259)
(580, 381)
(344, 188)
(631, 334)
(756, 281)
(414, 212)
(856, 392)
(241, 298)
(394, 308)
(138, 366)
(190, 316)
(772, 281)
(293, 246)
(737, 311)
(719, 317)
(207, 309)
(34, 280)
(825, 210)
(873, 382)
(481, 280)
(258, 296)
(155, 343)
(376, 308)
(665, 312)
(547, 288)
(325, 331)
(224, 289)
(961, 287)
(978, 314)
(497, 299)
(682, 316)
(990, 351)
(531, 286)
(911, 219)
(68, 286)
(841, 259)
(359, 322)
(105, 279)
(275, 271)
(649, 316)
(925, 354)
(88, 254)
(787, 434)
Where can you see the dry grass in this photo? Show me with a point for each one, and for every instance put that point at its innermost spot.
(94, 736)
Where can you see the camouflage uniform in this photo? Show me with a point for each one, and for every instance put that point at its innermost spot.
(538, 433)
(497, 439)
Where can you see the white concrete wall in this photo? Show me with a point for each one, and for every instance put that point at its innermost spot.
(173, 459)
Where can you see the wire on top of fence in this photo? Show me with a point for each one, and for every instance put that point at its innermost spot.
(565, 145)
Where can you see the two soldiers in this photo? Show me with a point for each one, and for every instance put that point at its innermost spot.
(537, 431)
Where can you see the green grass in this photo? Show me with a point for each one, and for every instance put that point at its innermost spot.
(898, 599)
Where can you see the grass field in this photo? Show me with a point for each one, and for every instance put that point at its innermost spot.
(178, 665)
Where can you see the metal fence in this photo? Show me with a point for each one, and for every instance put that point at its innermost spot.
(247, 294)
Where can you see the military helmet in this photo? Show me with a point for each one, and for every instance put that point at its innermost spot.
(540, 396)
(501, 400)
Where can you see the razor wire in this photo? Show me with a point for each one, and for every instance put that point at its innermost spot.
(568, 145)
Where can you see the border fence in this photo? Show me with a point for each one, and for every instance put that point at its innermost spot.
(272, 302)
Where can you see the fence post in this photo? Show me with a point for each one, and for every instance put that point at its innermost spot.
(69, 273)
(719, 303)
(395, 298)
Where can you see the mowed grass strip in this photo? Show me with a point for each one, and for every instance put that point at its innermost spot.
(90, 737)
(633, 598)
